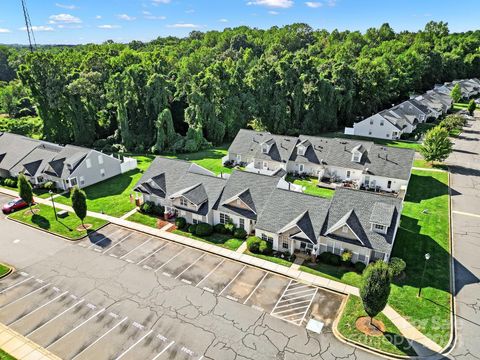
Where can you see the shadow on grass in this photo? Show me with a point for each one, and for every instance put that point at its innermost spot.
(400, 342)
(41, 221)
(424, 187)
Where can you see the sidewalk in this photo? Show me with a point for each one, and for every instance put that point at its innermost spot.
(422, 345)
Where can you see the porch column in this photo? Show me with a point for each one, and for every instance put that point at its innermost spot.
(291, 246)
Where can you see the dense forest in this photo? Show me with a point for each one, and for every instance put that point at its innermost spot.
(182, 94)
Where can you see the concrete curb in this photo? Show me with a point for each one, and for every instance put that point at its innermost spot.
(10, 271)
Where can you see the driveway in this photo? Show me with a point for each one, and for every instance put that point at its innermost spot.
(464, 163)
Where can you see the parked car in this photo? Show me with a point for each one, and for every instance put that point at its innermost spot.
(14, 205)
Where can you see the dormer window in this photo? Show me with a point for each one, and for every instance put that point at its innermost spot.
(356, 157)
(301, 150)
(379, 228)
(265, 149)
(183, 202)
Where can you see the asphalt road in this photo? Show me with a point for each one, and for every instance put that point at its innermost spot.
(83, 304)
(465, 186)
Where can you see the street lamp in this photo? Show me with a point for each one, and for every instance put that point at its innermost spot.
(427, 257)
(53, 203)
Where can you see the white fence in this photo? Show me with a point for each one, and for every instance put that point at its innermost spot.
(128, 164)
(349, 131)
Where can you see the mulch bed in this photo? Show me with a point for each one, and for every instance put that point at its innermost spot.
(363, 324)
(84, 227)
(161, 223)
(29, 212)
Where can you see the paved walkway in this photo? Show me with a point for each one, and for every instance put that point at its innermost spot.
(422, 345)
(21, 348)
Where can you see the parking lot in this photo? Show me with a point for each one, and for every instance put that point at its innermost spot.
(279, 296)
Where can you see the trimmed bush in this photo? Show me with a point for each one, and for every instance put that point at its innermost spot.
(230, 227)
(397, 266)
(147, 207)
(180, 223)
(10, 182)
(254, 244)
(346, 256)
(192, 228)
(335, 260)
(240, 234)
(324, 257)
(359, 267)
(49, 185)
(204, 229)
(220, 228)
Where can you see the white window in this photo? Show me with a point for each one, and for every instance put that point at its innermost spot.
(378, 227)
(88, 163)
(102, 172)
(301, 150)
(82, 180)
(381, 122)
(348, 174)
(285, 244)
(264, 149)
(300, 167)
(267, 238)
(241, 223)
(100, 159)
(367, 180)
(224, 218)
(371, 121)
(183, 202)
(356, 157)
(345, 229)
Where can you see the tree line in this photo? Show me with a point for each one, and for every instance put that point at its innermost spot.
(183, 94)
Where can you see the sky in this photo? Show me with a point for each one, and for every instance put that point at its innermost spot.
(95, 21)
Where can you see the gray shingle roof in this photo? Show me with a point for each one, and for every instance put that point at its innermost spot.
(196, 194)
(363, 204)
(14, 148)
(37, 160)
(70, 155)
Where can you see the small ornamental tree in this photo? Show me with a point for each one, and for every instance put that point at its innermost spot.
(375, 288)
(456, 93)
(436, 146)
(79, 203)
(25, 190)
(472, 105)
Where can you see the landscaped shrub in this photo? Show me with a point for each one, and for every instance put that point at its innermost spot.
(180, 223)
(204, 229)
(192, 229)
(256, 245)
(49, 185)
(335, 260)
(359, 267)
(147, 207)
(230, 227)
(220, 228)
(324, 257)
(397, 266)
(240, 234)
(10, 182)
(264, 248)
(346, 256)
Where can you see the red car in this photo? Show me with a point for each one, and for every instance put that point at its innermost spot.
(14, 205)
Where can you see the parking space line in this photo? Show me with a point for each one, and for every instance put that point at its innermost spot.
(189, 266)
(38, 308)
(118, 243)
(103, 238)
(294, 298)
(101, 337)
(231, 281)
(280, 298)
(76, 327)
(24, 296)
(16, 284)
(55, 317)
(313, 297)
(152, 253)
(295, 308)
(298, 292)
(211, 272)
(296, 302)
(135, 344)
(135, 248)
(256, 287)
(163, 350)
(171, 259)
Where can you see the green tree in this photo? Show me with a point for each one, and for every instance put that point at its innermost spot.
(456, 93)
(375, 288)
(472, 105)
(79, 203)
(436, 146)
(25, 190)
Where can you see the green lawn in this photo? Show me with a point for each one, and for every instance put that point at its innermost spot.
(5, 356)
(420, 163)
(145, 219)
(392, 341)
(45, 219)
(226, 241)
(4, 269)
(210, 159)
(338, 273)
(112, 196)
(270, 258)
(311, 187)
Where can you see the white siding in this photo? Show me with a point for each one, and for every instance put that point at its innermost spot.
(374, 129)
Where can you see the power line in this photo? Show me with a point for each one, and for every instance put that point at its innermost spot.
(28, 26)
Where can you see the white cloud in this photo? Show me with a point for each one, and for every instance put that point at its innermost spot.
(284, 4)
(144, 12)
(3, 30)
(190, 11)
(108, 26)
(271, 12)
(67, 26)
(126, 17)
(66, 6)
(39, 28)
(331, 3)
(64, 18)
(153, 17)
(314, 4)
(158, 2)
(98, 17)
(184, 26)
(223, 20)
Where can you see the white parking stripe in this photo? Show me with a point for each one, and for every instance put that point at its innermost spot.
(189, 266)
(135, 248)
(103, 238)
(280, 298)
(296, 302)
(161, 352)
(295, 298)
(38, 308)
(211, 271)
(171, 259)
(294, 288)
(16, 284)
(55, 317)
(294, 308)
(256, 287)
(313, 297)
(231, 281)
(135, 344)
(24, 296)
(298, 292)
(76, 327)
(101, 337)
(293, 315)
(152, 254)
(118, 243)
